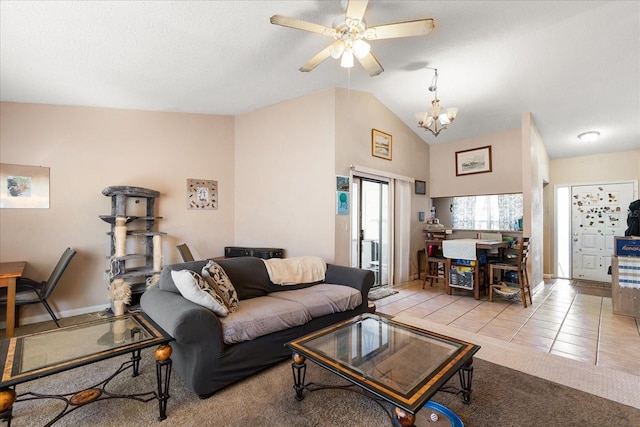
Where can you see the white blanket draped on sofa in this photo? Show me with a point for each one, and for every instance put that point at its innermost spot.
(291, 271)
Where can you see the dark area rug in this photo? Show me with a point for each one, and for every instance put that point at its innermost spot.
(501, 397)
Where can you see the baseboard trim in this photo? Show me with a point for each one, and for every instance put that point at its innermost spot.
(61, 315)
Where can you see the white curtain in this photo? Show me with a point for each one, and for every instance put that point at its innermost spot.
(402, 231)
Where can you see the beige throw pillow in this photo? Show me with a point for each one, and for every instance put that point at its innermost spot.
(197, 290)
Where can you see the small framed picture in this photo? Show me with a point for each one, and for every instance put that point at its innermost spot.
(421, 187)
(381, 144)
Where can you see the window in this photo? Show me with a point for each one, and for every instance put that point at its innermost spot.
(492, 212)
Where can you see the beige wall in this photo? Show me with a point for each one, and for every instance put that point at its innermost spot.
(520, 164)
(89, 149)
(601, 168)
(535, 174)
(506, 154)
(357, 113)
(275, 169)
(285, 179)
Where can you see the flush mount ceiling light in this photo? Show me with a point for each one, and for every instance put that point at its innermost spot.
(435, 120)
(590, 136)
(350, 34)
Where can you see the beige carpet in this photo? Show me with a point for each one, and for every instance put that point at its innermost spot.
(519, 396)
(601, 381)
(501, 397)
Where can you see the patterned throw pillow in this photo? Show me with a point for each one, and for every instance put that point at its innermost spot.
(218, 279)
(197, 290)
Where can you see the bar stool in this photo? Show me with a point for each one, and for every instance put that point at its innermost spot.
(436, 262)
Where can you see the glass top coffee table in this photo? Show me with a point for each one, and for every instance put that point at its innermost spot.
(33, 356)
(398, 363)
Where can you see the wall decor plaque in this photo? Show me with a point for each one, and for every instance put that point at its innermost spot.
(202, 194)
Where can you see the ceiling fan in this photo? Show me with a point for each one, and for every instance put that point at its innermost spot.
(350, 35)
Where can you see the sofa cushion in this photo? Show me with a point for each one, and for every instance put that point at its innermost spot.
(261, 316)
(218, 280)
(323, 299)
(197, 290)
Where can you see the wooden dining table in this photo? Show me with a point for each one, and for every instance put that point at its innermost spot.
(9, 274)
(481, 245)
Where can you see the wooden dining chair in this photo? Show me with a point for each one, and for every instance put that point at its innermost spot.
(436, 262)
(519, 266)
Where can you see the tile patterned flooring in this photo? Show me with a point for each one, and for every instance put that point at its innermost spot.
(576, 322)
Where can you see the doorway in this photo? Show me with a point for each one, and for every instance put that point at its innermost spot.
(370, 228)
(588, 217)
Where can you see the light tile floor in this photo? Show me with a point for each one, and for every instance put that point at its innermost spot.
(576, 322)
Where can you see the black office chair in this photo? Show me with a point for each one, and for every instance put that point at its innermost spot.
(29, 291)
(185, 253)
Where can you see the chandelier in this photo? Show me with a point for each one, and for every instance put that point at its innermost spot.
(435, 120)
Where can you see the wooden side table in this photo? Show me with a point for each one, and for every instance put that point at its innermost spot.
(9, 273)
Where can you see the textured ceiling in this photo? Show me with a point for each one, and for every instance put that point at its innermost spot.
(575, 65)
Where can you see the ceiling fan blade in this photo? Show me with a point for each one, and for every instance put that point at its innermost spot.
(320, 56)
(421, 27)
(371, 64)
(356, 8)
(301, 25)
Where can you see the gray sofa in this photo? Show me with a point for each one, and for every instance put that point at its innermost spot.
(203, 359)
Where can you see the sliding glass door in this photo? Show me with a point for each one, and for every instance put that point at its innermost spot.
(371, 227)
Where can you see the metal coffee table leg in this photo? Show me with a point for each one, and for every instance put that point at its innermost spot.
(299, 369)
(163, 363)
(466, 377)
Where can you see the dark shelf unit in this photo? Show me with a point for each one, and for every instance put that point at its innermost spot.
(137, 226)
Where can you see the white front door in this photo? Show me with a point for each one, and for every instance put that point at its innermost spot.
(598, 213)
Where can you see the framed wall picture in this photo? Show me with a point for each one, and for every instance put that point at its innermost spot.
(202, 194)
(476, 160)
(24, 186)
(421, 187)
(381, 144)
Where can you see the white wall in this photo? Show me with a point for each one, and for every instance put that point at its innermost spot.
(88, 149)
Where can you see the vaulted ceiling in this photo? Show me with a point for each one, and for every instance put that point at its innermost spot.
(575, 65)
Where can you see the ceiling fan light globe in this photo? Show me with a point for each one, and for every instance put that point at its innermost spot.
(361, 48)
(347, 59)
(337, 50)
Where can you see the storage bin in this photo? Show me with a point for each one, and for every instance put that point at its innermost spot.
(461, 277)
